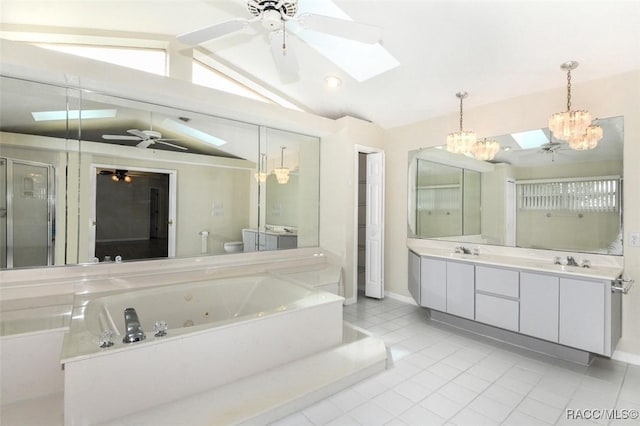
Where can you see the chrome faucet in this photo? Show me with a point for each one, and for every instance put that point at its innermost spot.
(571, 261)
(463, 250)
(134, 330)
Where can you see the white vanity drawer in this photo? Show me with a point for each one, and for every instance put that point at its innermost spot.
(504, 282)
(497, 311)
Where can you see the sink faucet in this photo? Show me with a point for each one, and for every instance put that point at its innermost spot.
(571, 261)
(463, 250)
(132, 324)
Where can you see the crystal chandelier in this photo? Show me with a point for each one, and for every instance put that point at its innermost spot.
(461, 142)
(571, 126)
(485, 150)
(261, 175)
(282, 173)
(589, 140)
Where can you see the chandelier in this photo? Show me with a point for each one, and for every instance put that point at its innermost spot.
(282, 173)
(261, 175)
(485, 150)
(461, 142)
(574, 126)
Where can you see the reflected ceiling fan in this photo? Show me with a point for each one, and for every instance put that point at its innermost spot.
(274, 15)
(145, 138)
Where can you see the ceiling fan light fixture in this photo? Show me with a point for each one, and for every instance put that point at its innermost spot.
(461, 142)
(571, 126)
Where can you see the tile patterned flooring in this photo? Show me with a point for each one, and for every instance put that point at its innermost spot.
(445, 376)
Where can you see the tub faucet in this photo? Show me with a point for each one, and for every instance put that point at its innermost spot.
(134, 330)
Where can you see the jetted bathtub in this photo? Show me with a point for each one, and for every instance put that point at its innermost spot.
(218, 331)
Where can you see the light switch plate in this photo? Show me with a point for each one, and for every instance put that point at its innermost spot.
(634, 239)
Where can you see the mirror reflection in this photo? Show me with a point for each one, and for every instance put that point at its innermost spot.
(105, 178)
(536, 193)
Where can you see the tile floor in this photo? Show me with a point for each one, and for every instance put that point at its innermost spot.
(444, 376)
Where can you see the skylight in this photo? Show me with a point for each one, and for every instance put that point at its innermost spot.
(190, 131)
(372, 59)
(149, 60)
(206, 76)
(73, 114)
(530, 139)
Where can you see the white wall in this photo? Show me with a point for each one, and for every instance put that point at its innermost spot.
(615, 96)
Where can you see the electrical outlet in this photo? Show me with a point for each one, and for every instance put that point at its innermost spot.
(634, 239)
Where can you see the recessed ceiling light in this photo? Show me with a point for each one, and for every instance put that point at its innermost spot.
(332, 81)
(73, 114)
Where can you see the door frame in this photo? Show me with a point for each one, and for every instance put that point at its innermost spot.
(171, 243)
(365, 150)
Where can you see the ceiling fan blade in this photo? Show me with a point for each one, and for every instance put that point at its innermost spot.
(120, 138)
(139, 133)
(284, 57)
(172, 145)
(357, 31)
(213, 31)
(145, 143)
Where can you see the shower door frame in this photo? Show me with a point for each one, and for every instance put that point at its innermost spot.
(9, 163)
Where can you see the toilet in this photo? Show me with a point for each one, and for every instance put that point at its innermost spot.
(234, 247)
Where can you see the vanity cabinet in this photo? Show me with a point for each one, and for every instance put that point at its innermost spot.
(260, 241)
(539, 305)
(413, 274)
(460, 289)
(564, 307)
(433, 284)
(497, 293)
(582, 314)
(446, 286)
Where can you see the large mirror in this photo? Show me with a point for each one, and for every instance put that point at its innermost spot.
(88, 177)
(536, 193)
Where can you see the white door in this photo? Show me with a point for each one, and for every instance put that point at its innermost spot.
(374, 260)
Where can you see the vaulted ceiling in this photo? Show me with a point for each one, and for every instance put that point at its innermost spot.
(494, 50)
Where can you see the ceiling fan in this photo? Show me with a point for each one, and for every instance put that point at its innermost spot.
(145, 138)
(274, 15)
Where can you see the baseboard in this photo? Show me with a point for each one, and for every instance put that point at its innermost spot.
(400, 297)
(628, 357)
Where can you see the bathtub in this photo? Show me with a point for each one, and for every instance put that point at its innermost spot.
(219, 331)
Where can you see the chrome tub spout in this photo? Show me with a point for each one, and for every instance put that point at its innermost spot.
(134, 331)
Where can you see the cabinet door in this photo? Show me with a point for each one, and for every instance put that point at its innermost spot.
(414, 276)
(433, 284)
(461, 289)
(270, 241)
(249, 240)
(582, 314)
(539, 298)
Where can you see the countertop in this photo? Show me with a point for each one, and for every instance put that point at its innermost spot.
(597, 272)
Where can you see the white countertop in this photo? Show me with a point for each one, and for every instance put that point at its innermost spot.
(599, 272)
